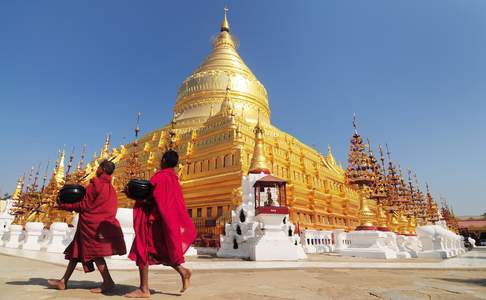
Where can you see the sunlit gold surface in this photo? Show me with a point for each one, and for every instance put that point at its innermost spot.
(216, 150)
(205, 87)
(259, 161)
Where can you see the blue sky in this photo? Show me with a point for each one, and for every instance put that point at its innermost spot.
(413, 71)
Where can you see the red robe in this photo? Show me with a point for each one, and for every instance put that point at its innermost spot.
(99, 233)
(163, 229)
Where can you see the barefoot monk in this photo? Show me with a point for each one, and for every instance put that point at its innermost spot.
(163, 229)
(98, 233)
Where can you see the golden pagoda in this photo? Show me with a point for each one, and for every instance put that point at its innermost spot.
(217, 111)
(222, 130)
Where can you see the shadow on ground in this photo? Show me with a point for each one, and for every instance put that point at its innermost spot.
(481, 282)
(120, 289)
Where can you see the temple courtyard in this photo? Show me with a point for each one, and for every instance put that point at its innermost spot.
(319, 277)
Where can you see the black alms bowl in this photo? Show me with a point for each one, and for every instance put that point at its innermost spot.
(71, 193)
(139, 189)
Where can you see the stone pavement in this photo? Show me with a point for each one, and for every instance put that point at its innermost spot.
(471, 260)
(22, 278)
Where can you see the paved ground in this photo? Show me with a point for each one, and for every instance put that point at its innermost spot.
(471, 260)
(22, 278)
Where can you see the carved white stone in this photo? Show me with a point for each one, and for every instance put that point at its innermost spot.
(33, 232)
(14, 237)
(439, 242)
(58, 232)
(262, 237)
(370, 244)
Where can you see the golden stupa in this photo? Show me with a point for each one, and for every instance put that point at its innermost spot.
(221, 128)
(215, 114)
(220, 111)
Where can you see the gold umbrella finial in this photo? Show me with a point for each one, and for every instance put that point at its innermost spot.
(225, 24)
(354, 124)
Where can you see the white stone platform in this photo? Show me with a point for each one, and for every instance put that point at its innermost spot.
(475, 259)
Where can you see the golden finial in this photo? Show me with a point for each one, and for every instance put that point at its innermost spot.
(259, 160)
(105, 152)
(18, 188)
(81, 159)
(70, 161)
(44, 180)
(59, 173)
(137, 128)
(354, 124)
(370, 150)
(225, 24)
(36, 177)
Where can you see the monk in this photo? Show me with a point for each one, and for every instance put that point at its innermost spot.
(163, 229)
(98, 234)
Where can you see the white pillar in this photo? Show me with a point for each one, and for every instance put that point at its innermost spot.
(33, 232)
(14, 236)
(57, 237)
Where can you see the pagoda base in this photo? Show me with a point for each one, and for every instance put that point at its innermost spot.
(274, 244)
(369, 244)
(439, 242)
(409, 244)
(386, 229)
(264, 234)
(366, 227)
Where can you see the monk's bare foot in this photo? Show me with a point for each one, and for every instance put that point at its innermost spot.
(104, 288)
(138, 293)
(186, 278)
(56, 284)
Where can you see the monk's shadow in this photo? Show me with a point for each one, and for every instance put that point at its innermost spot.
(120, 289)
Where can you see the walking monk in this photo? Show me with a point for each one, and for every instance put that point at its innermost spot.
(98, 234)
(163, 229)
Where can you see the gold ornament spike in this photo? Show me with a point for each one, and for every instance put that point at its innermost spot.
(59, 172)
(70, 161)
(225, 24)
(18, 188)
(80, 165)
(259, 161)
(44, 179)
(105, 151)
(354, 124)
(137, 128)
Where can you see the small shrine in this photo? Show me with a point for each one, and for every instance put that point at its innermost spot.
(270, 196)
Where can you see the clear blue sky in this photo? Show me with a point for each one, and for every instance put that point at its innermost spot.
(413, 71)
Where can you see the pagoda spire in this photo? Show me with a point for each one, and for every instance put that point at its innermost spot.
(105, 151)
(329, 157)
(360, 174)
(80, 165)
(59, 172)
(44, 179)
(225, 24)
(18, 188)
(226, 106)
(259, 161)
